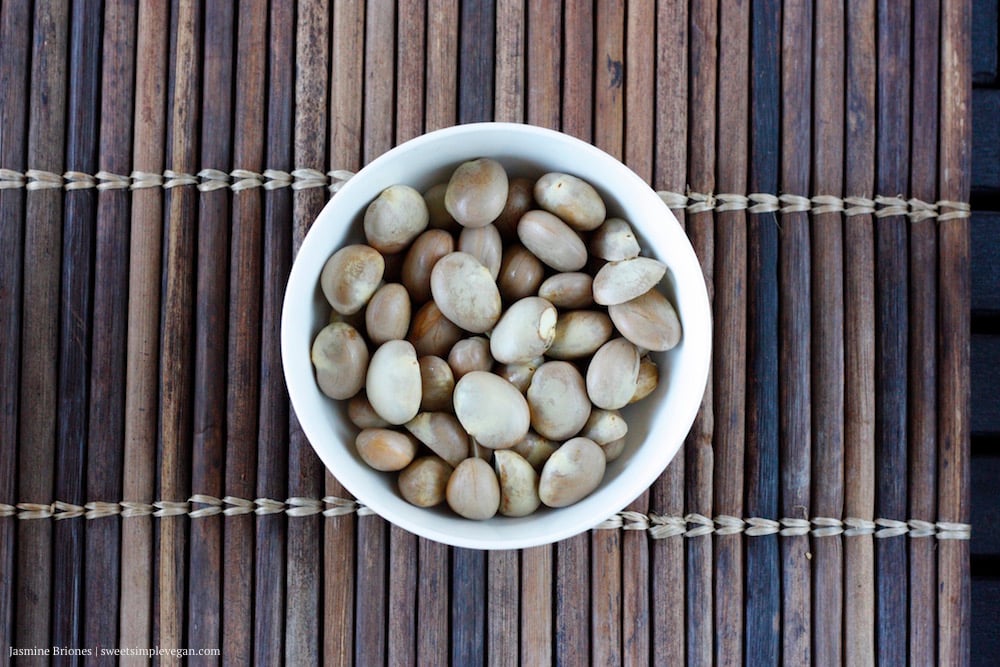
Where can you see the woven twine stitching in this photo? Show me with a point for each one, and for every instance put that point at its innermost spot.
(238, 180)
(657, 526)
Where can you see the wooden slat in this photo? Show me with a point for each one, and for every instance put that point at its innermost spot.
(859, 333)
(273, 428)
(827, 310)
(244, 331)
(39, 327)
(208, 445)
(178, 314)
(15, 33)
(699, 453)
(794, 395)
(143, 342)
(729, 328)
(891, 326)
(79, 211)
(923, 342)
(305, 594)
(763, 595)
(666, 496)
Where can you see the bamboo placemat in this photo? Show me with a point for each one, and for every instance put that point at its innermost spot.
(161, 162)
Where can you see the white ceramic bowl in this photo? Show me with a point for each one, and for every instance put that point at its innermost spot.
(657, 425)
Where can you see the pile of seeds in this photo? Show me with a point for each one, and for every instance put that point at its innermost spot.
(487, 336)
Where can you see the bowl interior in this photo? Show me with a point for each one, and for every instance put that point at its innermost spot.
(657, 424)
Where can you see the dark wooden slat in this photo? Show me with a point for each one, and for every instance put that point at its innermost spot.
(984, 366)
(210, 333)
(544, 47)
(763, 595)
(15, 33)
(74, 323)
(984, 41)
(986, 140)
(699, 454)
(891, 322)
(40, 324)
(476, 37)
(578, 76)
(827, 311)
(108, 374)
(410, 67)
(669, 173)
(143, 343)
(502, 599)
(954, 324)
(177, 332)
(859, 332)
(510, 74)
(606, 545)
(923, 341)
(346, 118)
(442, 73)
(244, 339)
(985, 267)
(794, 395)
(273, 429)
(730, 327)
(304, 617)
(468, 607)
(433, 603)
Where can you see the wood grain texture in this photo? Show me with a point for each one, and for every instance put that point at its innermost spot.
(730, 327)
(433, 603)
(244, 330)
(442, 72)
(208, 443)
(74, 324)
(176, 383)
(143, 338)
(891, 326)
(476, 40)
(503, 597)
(666, 496)
(699, 453)
(40, 320)
(827, 328)
(273, 427)
(794, 396)
(304, 640)
(509, 77)
(859, 332)
(762, 638)
(923, 340)
(953, 321)
(544, 64)
(15, 33)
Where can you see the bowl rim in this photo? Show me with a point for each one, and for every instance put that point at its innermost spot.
(301, 282)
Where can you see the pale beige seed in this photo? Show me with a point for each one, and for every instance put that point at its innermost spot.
(432, 333)
(649, 321)
(387, 316)
(572, 472)
(393, 382)
(423, 482)
(618, 282)
(437, 383)
(519, 374)
(518, 483)
(552, 241)
(362, 414)
(485, 244)
(569, 291)
(525, 331)
(340, 357)
(614, 449)
(521, 273)
(470, 354)
(477, 192)
(649, 378)
(572, 199)
(605, 426)
(385, 449)
(443, 435)
(520, 200)
(557, 398)
(491, 410)
(420, 258)
(473, 490)
(579, 333)
(395, 218)
(438, 216)
(614, 240)
(351, 276)
(613, 374)
(466, 292)
(535, 449)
